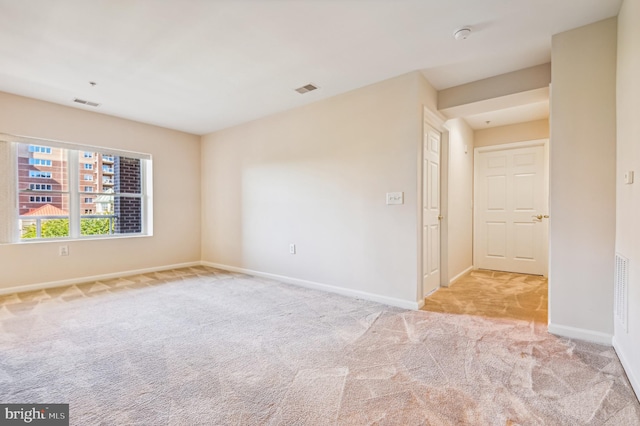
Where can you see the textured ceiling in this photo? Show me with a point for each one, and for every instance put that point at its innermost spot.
(202, 65)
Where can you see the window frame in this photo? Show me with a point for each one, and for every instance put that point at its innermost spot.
(34, 186)
(44, 162)
(33, 174)
(10, 229)
(40, 149)
(34, 199)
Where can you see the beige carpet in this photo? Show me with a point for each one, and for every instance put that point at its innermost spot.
(203, 347)
(493, 294)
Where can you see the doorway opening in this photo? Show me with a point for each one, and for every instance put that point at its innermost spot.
(510, 237)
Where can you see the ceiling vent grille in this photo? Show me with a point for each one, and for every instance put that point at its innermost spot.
(83, 102)
(307, 88)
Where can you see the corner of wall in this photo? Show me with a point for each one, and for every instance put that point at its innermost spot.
(582, 169)
(627, 339)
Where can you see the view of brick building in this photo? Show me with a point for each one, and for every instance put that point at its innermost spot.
(42, 176)
(108, 192)
(127, 181)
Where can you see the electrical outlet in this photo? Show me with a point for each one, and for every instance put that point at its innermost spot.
(63, 250)
(292, 248)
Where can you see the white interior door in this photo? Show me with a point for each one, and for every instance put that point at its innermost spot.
(511, 225)
(431, 209)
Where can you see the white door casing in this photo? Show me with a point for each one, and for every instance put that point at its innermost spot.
(431, 147)
(510, 208)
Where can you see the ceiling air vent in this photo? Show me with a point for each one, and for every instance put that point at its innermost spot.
(83, 102)
(307, 88)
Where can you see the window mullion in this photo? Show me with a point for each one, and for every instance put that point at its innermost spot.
(74, 194)
(146, 191)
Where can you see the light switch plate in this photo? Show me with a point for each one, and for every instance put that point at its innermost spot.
(395, 197)
(628, 177)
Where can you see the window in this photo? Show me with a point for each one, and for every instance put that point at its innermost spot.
(40, 187)
(39, 162)
(42, 149)
(40, 199)
(60, 207)
(39, 174)
(107, 169)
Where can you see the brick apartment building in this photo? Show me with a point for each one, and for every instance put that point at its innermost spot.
(42, 176)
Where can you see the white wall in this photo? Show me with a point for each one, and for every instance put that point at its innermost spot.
(317, 176)
(520, 132)
(628, 196)
(582, 193)
(459, 218)
(176, 163)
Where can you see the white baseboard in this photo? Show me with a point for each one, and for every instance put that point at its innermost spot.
(400, 303)
(80, 280)
(461, 274)
(633, 379)
(581, 334)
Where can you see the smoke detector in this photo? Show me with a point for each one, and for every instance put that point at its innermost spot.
(462, 33)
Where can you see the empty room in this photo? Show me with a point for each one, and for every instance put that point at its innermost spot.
(309, 212)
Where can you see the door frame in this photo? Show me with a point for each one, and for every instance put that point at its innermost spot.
(514, 145)
(436, 121)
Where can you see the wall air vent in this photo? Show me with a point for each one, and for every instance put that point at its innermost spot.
(83, 102)
(307, 88)
(621, 290)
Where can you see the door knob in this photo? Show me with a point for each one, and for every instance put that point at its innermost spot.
(540, 216)
(440, 217)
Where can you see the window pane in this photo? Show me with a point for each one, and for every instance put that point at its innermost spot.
(41, 169)
(97, 215)
(47, 220)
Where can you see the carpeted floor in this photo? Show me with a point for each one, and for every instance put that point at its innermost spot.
(493, 294)
(199, 346)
